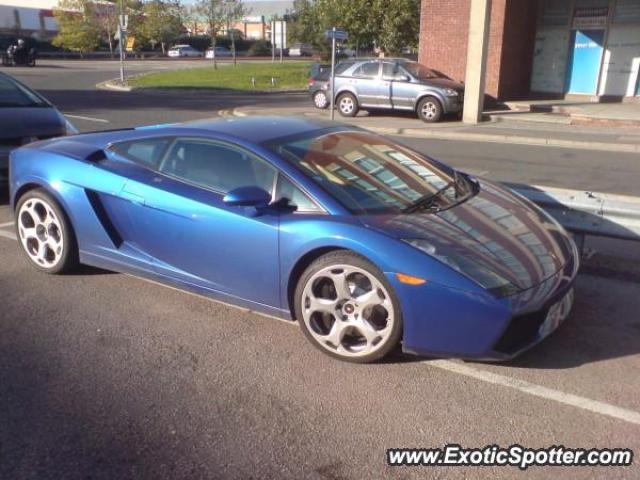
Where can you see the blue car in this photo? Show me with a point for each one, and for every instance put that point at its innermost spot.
(366, 243)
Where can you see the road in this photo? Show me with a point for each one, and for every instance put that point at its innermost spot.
(104, 375)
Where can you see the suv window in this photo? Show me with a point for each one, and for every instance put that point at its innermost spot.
(286, 189)
(147, 152)
(217, 166)
(367, 70)
(392, 71)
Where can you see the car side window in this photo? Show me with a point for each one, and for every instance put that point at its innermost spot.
(392, 71)
(147, 152)
(218, 166)
(367, 70)
(295, 196)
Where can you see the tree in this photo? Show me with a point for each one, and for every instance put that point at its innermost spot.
(77, 27)
(392, 24)
(106, 18)
(232, 11)
(213, 14)
(161, 22)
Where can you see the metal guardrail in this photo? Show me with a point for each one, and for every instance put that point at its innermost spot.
(587, 213)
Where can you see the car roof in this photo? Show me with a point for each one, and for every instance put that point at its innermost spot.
(259, 129)
(254, 129)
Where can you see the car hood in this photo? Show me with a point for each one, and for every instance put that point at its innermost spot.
(443, 83)
(30, 122)
(496, 229)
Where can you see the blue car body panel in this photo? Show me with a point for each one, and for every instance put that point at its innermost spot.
(132, 219)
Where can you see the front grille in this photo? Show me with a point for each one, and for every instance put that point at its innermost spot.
(521, 331)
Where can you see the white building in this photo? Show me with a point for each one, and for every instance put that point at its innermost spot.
(28, 17)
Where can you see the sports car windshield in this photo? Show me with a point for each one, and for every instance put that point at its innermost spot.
(15, 95)
(371, 175)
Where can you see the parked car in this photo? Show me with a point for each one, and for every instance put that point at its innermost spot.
(319, 82)
(25, 116)
(397, 84)
(300, 50)
(363, 241)
(219, 51)
(183, 51)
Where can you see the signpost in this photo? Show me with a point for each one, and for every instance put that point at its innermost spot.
(123, 22)
(334, 34)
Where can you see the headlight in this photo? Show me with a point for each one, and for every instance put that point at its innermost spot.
(69, 128)
(486, 278)
(450, 92)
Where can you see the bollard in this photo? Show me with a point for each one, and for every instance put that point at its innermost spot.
(253, 82)
(273, 82)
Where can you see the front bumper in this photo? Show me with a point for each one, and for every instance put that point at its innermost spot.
(445, 322)
(453, 104)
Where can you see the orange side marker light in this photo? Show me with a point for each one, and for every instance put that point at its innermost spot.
(410, 280)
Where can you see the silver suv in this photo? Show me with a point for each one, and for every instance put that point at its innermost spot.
(396, 84)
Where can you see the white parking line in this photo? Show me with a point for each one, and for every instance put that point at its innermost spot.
(576, 401)
(90, 119)
(2, 225)
(523, 386)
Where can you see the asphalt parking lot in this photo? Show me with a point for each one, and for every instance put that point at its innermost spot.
(104, 375)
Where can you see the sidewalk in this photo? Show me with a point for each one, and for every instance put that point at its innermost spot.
(519, 132)
(572, 112)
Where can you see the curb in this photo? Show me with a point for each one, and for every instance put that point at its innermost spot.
(111, 85)
(441, 134)
(114, 86)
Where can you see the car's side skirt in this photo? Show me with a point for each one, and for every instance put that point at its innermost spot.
(150, 274)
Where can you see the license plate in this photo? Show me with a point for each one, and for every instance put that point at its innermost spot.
(557, 314)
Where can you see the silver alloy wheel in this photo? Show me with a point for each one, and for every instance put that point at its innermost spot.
(320, 100)
(40, 232)
(346, 105)
(429, 110)
(347, 310)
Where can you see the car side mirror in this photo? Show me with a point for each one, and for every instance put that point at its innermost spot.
(247, 197)
(402, 78)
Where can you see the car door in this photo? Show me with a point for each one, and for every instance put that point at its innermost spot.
(192, 236)
(365, 80)
(399, 92)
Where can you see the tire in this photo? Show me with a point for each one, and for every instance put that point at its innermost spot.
(320, 100)
(45, 234)
(429, 109)
(347, 104)
(358, 328)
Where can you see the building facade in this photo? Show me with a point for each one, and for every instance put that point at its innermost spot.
(29, 18)
(541, 48)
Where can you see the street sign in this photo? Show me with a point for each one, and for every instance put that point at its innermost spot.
(131, 42)
(124, 22)
(337, 34)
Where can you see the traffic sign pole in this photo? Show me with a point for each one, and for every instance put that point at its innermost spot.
(333, 73)
(122, 28)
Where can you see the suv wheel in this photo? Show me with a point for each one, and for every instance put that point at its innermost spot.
(320, 100)
(347, 105)
(429, 109)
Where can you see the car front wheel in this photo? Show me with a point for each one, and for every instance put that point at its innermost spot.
(347, 308)
(320, 100)
(347, 105)
(45, 234)
(429, 109)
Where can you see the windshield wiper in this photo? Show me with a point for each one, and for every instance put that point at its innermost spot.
(427, 202)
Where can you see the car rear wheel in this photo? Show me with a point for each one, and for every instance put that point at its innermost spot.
(45, 234)
(430, 109)
(347, 105)
(320, 100)
(347, 309)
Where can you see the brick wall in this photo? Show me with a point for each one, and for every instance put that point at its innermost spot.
(444, 26)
